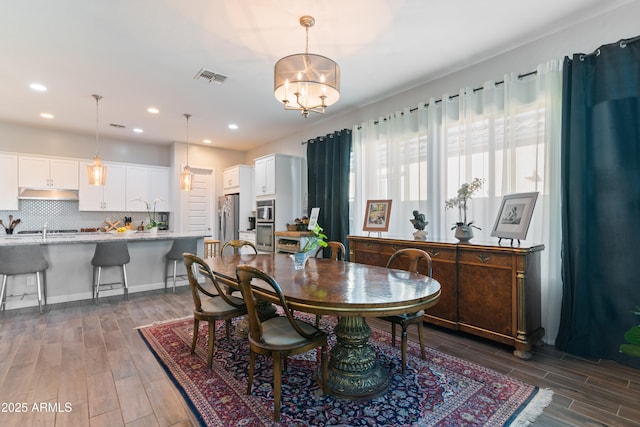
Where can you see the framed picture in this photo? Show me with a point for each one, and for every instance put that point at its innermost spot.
(313, 218)
(376, 216)
(514, 216)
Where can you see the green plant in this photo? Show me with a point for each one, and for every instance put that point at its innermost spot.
(152, 216)
(316, 239)
(632, 336)
(465, 192)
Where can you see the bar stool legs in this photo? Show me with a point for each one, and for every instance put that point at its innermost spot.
(110, 254)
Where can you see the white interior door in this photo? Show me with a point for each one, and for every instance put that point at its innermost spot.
(198, 203)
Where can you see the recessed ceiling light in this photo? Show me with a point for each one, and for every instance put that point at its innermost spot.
(206, 141)
(138, 130)
(37, 86)
(153, 110)
(46, 115)
(233, 126)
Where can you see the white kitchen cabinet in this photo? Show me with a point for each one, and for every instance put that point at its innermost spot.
(249, 236)
(160, 188)
(43, 172)
(9, 187)
(110, 197)
(279, 177)
(265, 175)
(149, 184)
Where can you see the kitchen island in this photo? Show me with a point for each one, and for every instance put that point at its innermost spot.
(70, 273)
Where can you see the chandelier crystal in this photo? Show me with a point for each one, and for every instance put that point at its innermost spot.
(305, 81)
(97, 172)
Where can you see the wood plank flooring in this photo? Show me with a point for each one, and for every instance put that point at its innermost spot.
(91, 359)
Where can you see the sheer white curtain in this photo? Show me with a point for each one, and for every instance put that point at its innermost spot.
(506, 133)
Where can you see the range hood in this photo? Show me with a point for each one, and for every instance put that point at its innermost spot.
(47, 194)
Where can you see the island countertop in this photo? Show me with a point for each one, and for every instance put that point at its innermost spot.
(94, 237)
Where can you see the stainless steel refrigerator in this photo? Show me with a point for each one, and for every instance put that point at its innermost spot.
(228, 218)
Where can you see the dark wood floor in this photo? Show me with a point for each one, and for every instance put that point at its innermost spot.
(92, 357)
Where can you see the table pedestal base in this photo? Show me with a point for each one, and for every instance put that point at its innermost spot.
(354, 372)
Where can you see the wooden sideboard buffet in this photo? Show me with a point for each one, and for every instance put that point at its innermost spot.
(488, 290)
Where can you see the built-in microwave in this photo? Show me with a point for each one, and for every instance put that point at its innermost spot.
(265, 239)
(265, 211)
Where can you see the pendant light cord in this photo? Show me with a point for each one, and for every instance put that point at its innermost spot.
(97, 98)
(187, 116)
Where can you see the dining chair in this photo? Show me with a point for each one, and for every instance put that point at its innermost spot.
(278, 337)
(209, 306)
(236, 245)
(414, 257)
(336, 250)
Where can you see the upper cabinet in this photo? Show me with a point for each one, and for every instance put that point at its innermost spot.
(237, 179)
(265, 175)
(9, 187)
(42, 172)
(110, 197)
(147, 184)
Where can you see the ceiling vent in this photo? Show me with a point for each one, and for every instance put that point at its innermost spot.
(115, 125)
(210, 76)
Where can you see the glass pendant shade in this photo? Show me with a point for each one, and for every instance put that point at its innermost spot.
(97, 172)
(186, 179)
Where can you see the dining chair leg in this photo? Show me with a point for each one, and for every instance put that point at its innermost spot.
(252, 363)
(227, 326)
(421, 339)
(404, 346)
(196, 326)
(277, 385)
(324, 368)
(211, 339)
(393, 334)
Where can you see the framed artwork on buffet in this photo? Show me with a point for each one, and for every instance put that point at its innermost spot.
(514, 216)
(376, 216)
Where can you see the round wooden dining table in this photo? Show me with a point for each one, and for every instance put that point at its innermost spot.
(350, 291)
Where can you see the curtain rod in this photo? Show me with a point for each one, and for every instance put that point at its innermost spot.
(622, 43)
(411, 110)
(322, 138)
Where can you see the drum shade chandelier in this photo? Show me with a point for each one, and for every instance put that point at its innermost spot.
(97, 171)
(186, 177)
(305, 81)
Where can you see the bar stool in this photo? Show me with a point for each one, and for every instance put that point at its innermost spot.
(23, 259)
(179, 247)
(110, 254)
(211, 247)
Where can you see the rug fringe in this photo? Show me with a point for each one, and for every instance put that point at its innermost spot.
(161, 322)
(534, 409)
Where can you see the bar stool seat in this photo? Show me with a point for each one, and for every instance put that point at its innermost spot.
(23, 259)
(110, 254)
(179, 247)
(211, 247)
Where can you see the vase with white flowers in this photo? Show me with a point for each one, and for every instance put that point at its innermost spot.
(152, 225)
(464, 228)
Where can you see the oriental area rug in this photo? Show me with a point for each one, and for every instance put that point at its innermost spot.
(440, 391)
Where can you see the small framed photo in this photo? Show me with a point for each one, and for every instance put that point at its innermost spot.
(377, 215)
(514, 216)
(313, 218)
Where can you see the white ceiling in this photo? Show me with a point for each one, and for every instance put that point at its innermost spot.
(142, 53)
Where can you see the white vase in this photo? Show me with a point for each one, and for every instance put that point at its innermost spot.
(153, 230)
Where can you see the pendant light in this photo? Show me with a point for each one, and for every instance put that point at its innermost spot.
(186, 177)
(97, 171)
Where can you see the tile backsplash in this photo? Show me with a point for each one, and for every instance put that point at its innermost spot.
(64, 215)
